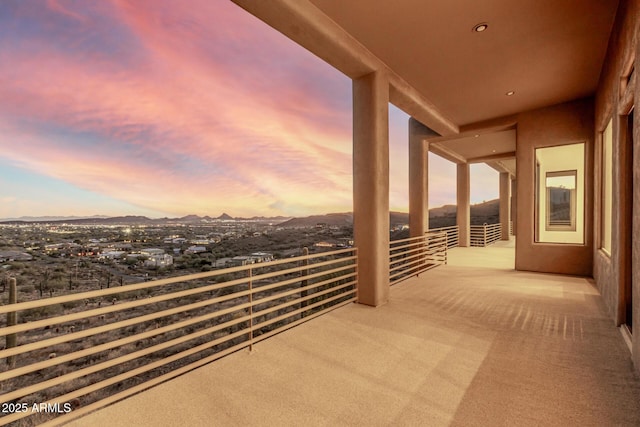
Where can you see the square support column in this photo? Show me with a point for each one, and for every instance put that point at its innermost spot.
(514, 199)
(419, 177)
(463, 211)
(371, 186)
(505, 204)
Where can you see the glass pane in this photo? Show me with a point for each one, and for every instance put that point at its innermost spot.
(607, 187)
(560, 194)
(561, 201)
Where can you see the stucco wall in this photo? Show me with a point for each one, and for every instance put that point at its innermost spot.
(610, 103)
(561, 124)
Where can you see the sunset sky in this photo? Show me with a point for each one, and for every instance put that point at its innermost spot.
(167, 108)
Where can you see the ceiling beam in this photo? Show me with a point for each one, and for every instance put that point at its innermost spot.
(446, 153)
(491, 157)
(501, 167)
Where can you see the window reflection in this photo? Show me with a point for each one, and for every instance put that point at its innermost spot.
(560, 194)
(561, 200)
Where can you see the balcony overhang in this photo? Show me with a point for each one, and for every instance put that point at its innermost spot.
(445, 74)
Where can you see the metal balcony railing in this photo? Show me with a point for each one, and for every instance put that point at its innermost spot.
(484, 235)
(412, 256)
(86, 350)
(452, 235)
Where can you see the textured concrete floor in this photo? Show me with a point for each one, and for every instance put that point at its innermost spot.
(473, 343)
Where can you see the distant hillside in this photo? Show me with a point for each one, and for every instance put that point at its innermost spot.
(334, 219)
(438, 217)
(445, 216)
(135, 220)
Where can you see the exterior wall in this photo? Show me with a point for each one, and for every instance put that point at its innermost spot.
(613, 102)
(562, 124)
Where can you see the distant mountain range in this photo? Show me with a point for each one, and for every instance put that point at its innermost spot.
(137, 220)
(487, 209)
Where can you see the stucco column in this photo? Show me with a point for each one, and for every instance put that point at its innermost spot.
(514, 198)
(418, 177)
(371, 186)
(463, 196)
(505, 204)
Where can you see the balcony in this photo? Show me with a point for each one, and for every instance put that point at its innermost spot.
(469, 343)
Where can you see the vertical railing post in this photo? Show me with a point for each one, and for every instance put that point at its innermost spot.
(250, 273)
(304, 282)
(12, 319)
(484, 233)
(446, 252)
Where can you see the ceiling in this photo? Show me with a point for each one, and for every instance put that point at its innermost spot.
(546, 51)
(481, 146)
(450, 77)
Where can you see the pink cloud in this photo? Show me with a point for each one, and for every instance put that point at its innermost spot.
(271, 144)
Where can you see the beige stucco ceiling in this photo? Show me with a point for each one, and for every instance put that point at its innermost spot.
(481, 146)
(448, 76)
(547, 51)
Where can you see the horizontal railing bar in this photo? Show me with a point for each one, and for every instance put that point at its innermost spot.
(304, 319)
(133, 390)
(121, 324)
(410, 270)
(113, 344)
(422, 260)
(410, 245)
(132, 304)
(403, 255)
(161, 346)
(77, 413)
(416, 248)
(268, 322)
(147, 301)
(161, 282)
(426, 267)
(305, 288)
(299, 278)
(300, 268)
(123, 306)
(408, 239)
(397, 264)
(124, 341)
(115, 362)
(268, 310)
(140, 370)
(174, 327)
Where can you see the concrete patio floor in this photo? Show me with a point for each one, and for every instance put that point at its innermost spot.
(473, 343)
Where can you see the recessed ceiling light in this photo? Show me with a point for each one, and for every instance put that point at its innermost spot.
(476, 135)
(510, 93)
(480, 27)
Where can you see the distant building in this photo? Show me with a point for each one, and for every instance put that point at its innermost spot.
(195, 250)
(262, 256)
(111, 255)
(15, 256)
(162, 260)
(238, 261)
(324, 245)
(152, 252)
(200, 241)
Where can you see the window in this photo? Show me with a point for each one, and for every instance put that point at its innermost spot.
(560, 194)
(607, 187)
(561, 201)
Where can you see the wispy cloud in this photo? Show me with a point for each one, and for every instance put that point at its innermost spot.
(176, 108)
(185, 108)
